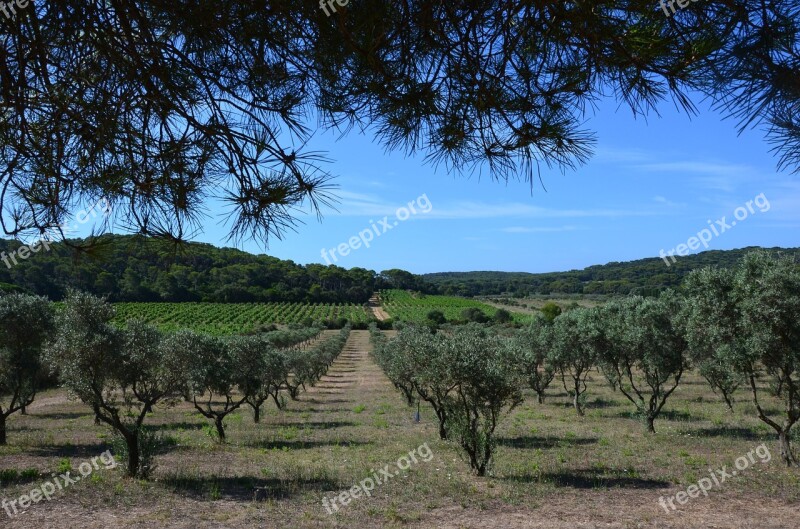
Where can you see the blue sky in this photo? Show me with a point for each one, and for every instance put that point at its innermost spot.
(652, 184)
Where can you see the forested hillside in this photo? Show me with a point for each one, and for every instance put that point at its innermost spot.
(644, 276)
(131, 268)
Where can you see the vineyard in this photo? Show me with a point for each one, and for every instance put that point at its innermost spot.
(414, 307)
(221, 319)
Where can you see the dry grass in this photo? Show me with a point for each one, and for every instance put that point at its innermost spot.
(552, 469)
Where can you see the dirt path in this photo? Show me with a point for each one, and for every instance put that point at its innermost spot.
(377, 310)
(351, 373)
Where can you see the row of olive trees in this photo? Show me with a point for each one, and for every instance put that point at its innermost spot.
(638, 343)
(468, 377)
(745, 325)
(123, 374)
(735, 327)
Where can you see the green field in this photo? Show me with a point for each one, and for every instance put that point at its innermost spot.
(414, 307)
(235, 318)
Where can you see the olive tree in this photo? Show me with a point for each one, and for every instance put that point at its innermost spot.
(213, 375)
(26, 322)
(714, 329)
(646, 349)
(391, 357)
(534, 344)
(266, 373)
(577, 342)
(417, 363)
(487, 388)
(121, 374)
(767, 289)
(428, 359)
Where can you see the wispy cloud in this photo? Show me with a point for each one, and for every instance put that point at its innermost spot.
(485, 210)
(665, 201)
(537, 229)
(616, 155)
(714, 176)
(369, 205)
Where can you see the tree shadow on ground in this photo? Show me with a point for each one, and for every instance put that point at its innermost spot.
(83, 451)
(602, 403)
(665, 415)
(300, 445)
(244, 488)
(732, 432)
(592, 479)
(326, 425)
(544, 442)
(60, 416)
(177, 426)
(11, 476)
(328, 401)
(317, 410)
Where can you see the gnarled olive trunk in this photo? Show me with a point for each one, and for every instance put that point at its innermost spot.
(651, 428)
(220, 428)
(785, 440)
(134, 454)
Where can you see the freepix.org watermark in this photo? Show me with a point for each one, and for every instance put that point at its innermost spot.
(717, 478)
(26, 250)
(5, 7)
(367, 485)
(716, 228)
(46, 490)
(671, 3)
(326, 4)
(365, 237)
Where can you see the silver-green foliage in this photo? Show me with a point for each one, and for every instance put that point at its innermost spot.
(645, 350)
(469, 376)
(26, 322)
(121, 374)
(748, 320)
(576, 347)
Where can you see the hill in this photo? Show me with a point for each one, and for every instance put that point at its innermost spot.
(134, 268)
(643, 276)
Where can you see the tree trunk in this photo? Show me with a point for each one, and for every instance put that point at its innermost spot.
(786, 448)
(23, 410)
(132, 440)
(256, 413)
(2, 430)
(576, 400)
(442, 416)
(728, 401)
(650, 424)
(220, 429)
(540, 397)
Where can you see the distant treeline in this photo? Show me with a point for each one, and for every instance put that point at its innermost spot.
(644, 277)
(134, 268)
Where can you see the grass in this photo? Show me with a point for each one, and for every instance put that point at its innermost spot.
(550, 468)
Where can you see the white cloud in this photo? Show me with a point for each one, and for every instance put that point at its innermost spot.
(537, 229)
